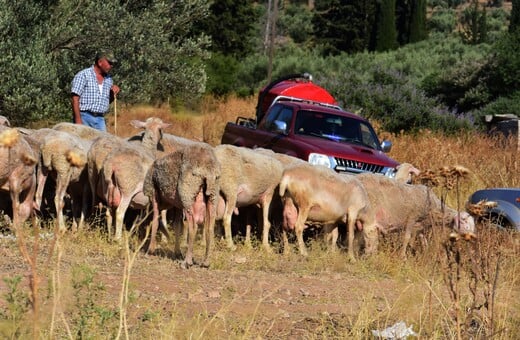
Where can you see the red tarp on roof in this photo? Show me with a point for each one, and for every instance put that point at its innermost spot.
(298, 89)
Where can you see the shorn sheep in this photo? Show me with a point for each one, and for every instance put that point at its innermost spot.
(186, 182)
(117, 176)
(317, 194)
(248, 178)
(82, 131)
(17, 173)
(398, 206)
(406, 172)
(102, 146)
(64, 157)
(122, 177)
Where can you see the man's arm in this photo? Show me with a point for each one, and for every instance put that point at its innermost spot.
(75, 109)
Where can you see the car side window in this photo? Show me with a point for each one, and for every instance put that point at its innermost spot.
(285, 115)
(272, 116)
(367, 136)
(278, 112)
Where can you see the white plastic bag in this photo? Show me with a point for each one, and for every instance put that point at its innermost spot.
(397, 331)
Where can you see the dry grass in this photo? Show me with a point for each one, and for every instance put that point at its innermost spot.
(446, 289)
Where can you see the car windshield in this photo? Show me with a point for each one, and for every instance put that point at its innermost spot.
(336, 128)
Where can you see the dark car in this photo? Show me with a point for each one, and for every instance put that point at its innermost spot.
(505, 212)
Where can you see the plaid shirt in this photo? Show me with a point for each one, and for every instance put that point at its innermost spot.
(85, 85)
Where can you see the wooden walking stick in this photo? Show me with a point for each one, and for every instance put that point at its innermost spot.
(115, 115)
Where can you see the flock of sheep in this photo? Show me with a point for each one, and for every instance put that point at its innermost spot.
(189, 183)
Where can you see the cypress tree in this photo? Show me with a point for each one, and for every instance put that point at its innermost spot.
(418, 21)
(386, 31)
(514, 21)
(341, 25)
(403, 12)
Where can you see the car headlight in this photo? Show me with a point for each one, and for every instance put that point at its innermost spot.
(389, 172)
(321, 159)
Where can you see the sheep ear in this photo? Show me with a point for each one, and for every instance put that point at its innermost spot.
(138, 124)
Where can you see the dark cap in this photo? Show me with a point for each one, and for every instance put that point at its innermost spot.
(108, 55)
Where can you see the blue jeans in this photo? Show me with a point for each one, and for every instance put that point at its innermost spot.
(97, 123)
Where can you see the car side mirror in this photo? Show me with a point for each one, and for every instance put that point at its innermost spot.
(280, 127)
(386, 146)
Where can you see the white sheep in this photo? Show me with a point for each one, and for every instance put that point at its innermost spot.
(248, 178)
(187, 182)
(405, 173)
(152, 135)
(317, 194)
(17, 173)
(83, 131)
(121, 178)
(4, 121)
(398, 206)
(106, 146)
(64, 157)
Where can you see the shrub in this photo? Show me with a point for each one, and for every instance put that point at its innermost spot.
(222, 73)
(443, 21)
(396, 103)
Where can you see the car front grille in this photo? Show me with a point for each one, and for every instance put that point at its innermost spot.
(347, 165)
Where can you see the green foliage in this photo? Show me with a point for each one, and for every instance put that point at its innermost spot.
(443, 21)
(497, 20)
(295, 21)
(473, 20)
(230, 25)
(88, 316)
(15, 311)
(503, 78)
(390, 98)
(341, 26)
(502, 105)
(386, 32)
(159, 55)
(222, 72)
(460, 86)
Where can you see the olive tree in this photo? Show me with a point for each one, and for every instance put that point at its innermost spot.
(44, 43)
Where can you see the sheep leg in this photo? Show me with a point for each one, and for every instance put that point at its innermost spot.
(155, 224)
(285, 240)
(120, 216)
(406, 239)
(209, 226)
(84, 206)
(299, 227)
(350, 229)
(61, 188)
(164, 229)
(230, 206)
(266, 202)
(41, 178)
(331, 236)
(178, 225)
(109, 213)
(192, 232)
